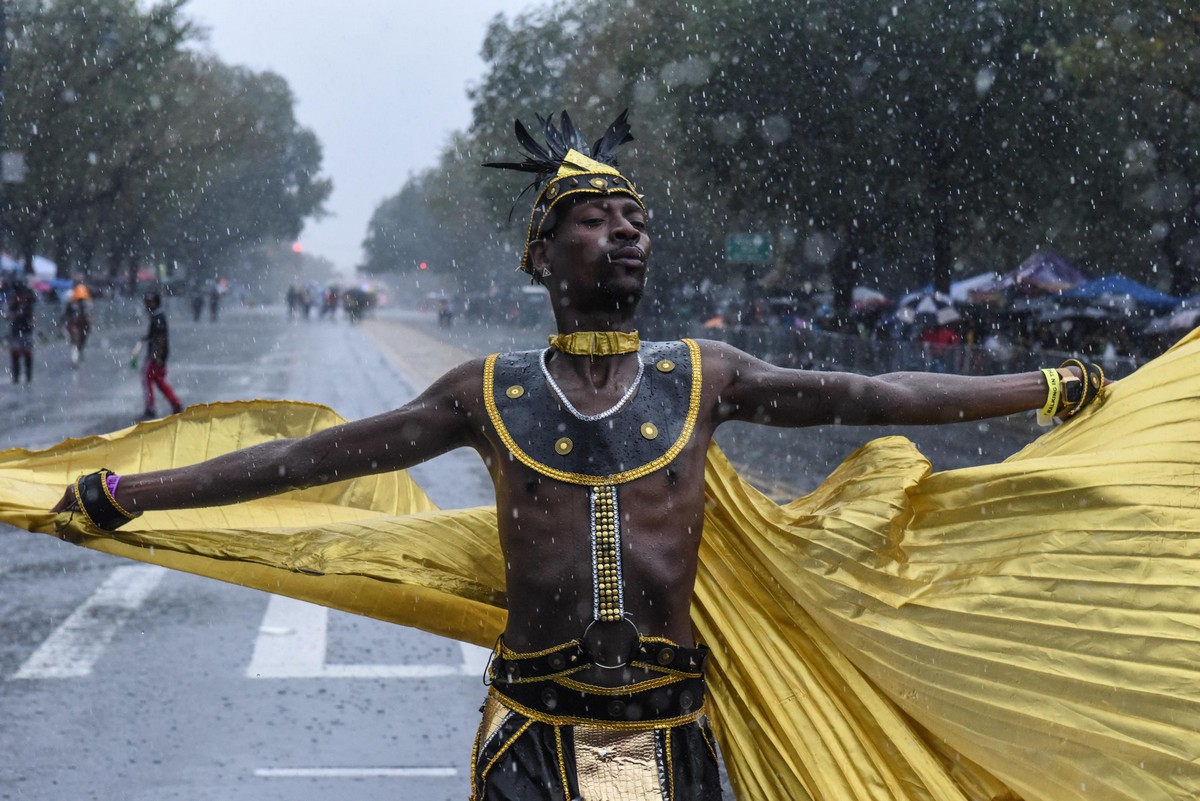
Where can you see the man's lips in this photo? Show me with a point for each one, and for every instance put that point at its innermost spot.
(629, 256)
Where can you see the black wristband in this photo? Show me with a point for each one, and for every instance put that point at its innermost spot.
(98, 504)
(1073, 391)
(1089, 387)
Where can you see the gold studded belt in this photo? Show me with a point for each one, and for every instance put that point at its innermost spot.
(539, 685)
(653, 653)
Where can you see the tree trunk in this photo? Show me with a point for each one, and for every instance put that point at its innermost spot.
(843, 276)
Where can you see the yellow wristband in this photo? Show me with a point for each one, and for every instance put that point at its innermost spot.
(1053, 396)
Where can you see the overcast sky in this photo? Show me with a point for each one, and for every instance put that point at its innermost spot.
(382, 83)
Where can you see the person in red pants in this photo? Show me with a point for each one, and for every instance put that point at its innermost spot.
(157, 346)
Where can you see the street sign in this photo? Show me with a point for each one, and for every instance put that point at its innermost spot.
(748, 248)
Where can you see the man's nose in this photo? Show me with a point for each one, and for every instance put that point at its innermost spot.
(626, 229)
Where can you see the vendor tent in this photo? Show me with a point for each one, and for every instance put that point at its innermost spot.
(969, 290)
(1044, 273)
(1112, 289)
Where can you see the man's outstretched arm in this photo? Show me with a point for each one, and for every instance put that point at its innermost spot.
(430, 425)
(751, 390)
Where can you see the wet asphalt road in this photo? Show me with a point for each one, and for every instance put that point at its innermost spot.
(119, 681)
(185, 688)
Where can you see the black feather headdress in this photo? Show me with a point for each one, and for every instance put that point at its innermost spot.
(567, 166)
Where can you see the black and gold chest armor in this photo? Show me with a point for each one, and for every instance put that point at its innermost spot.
(641, 437)
(631, 440)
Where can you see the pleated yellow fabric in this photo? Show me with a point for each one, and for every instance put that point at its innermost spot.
(1029, 629)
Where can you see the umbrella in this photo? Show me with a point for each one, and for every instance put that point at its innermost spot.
(1186, 320)
(863, 297)
(934, 304)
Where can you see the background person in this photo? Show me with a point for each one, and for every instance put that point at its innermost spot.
(21, 302)
(77, 322)
(156, 347)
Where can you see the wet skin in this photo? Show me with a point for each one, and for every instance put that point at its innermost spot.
(595, 268)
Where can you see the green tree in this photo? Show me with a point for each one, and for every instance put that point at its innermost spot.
(1139, 65)
(882, 143)
(75, 89)
(402, 231)
(138, 150)
(236, 169)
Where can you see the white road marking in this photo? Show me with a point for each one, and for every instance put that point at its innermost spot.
(75, 646)
(291, 645)
(351, 773)
(291, 640)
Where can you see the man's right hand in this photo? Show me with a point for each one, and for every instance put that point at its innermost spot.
(68, 502)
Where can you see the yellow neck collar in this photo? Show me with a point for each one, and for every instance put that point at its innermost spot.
(596, 343)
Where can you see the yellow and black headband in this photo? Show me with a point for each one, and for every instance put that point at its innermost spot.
(568, 167)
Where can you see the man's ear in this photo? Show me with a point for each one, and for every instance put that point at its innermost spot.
(538, 258)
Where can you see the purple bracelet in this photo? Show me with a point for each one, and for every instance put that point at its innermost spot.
(112, 479)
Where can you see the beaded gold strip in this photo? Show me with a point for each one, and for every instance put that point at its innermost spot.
(79, 502)
(628, 689)
(689, 424)
(670, 765)
(666, 671)
(507, 744)
(562, 763)
(508, 653)
(608, 593)
(712, 747)
(104, 474)
(494, 715)
(549, 676)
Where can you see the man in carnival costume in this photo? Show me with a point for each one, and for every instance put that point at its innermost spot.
(597, 447)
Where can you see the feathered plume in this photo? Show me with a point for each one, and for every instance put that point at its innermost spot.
(606, 146)
(592, 170)
(544, 162)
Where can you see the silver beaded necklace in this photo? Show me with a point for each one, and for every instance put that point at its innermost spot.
(629, 393)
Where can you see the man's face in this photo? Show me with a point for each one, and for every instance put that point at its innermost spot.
(597, 254)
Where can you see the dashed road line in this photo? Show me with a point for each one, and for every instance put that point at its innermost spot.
(75, 646)
(291, 645)
(352, 773)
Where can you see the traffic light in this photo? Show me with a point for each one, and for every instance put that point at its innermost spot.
(423, 266)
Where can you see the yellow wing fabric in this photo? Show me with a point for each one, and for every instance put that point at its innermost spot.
(375, 546)
(1039, 617)
(1028, 629)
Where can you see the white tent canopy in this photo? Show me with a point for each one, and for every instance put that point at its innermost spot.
(42, 267)
(961, 291)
